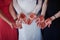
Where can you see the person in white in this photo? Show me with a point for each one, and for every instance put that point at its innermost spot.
(28, 32)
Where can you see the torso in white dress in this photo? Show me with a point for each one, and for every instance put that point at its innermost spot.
(28, 32)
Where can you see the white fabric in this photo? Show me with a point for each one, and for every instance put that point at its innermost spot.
(28, 32)
(27, 5)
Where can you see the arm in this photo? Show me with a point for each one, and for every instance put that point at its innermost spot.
(44, 7)
(15, 17)
(12, 12)
(38, 7)
(17, 7)
(5, 19)
(48, 21)
(57, 15)
(41, 19)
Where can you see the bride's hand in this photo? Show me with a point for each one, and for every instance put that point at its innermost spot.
(22, 17)
(32, 16)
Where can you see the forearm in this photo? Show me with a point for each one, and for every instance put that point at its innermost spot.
(44, 8)
(57, 15)
(17, 7)
(12, 12)
(38, 7)
(4, 18)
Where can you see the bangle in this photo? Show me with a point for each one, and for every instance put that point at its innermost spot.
(52, 18)
(55, 16)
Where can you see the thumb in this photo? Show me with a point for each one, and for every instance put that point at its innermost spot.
(11, 26)
(49, 24)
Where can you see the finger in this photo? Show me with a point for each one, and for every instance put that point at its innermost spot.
(32, 16)
(25, 20)
(41, 18)
(38, 24)
(11, 26)
(19, 24)
(37, 20)
(41, 25)
(14, 25)
(42, 28)
(29, 21)
(48, 25)
(22, 16)
(19, 27)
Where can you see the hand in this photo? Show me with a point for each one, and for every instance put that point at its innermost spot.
(40, 21)
(32, 16)
(22, 17)
(18, 24)
(48, 22)
(29, 21)
(12, 24)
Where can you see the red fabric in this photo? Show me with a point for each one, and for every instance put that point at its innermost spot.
(6, 33)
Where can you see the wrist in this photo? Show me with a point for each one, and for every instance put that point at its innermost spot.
(53, 18)
(41, 18)
(9, 22)
(42, 15)
(32, 16)
(15, 19)
(34, 12)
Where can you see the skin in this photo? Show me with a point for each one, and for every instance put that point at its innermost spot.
(13, 14)
(44, 8)
(57, 15)
(41, 19)
(6, 19)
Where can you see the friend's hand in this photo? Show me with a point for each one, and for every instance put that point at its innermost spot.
(18, 24)
(40, 21)
(12, 24)
(48, 22)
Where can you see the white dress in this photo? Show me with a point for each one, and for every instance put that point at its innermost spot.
(28, 32)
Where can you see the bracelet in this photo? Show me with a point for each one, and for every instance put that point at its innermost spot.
(15, 19)
(52, 18)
